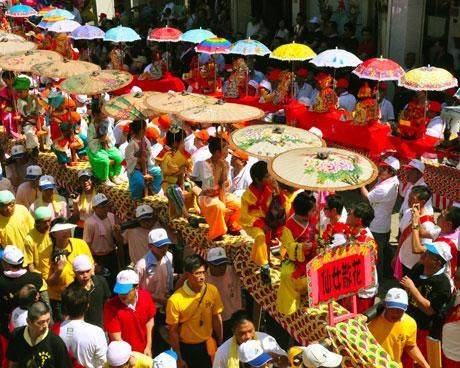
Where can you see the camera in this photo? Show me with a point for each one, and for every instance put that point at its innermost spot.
(59, 253)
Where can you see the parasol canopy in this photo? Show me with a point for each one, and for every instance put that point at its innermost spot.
(330, 169)
(21, 11)
(23, 62)
(64, 69)
(214, 45)
(249, 47)
(293, 52)
(7, 36)
(428, 78)
(196, 35)
(379, 69)
(265, 141)
(174, 102)
(14, 47)
(87, 33)
(121, 34)
(64, 26)
(56, 15)
(96, 82)
(336, 58)
(165, 34)
(43, 11)
(129, 106)
(221, 113)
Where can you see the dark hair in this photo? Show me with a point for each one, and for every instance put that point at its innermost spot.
(136, 126)
(215, 144)
(258, 171)
(422, 192)
(351, 27)
(75, 301)
(37, 309)
(303, 203)
(172, 138)
(364, 211)
(193, 262)
(453, 216)
(26, 296)
(366, 29)
(238, 318)
(333, 25)
(334, 202)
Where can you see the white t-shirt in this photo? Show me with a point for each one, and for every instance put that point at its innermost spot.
(347, 101)
(86, 341)
(18, 317)
(243, 180)
(450, 334)
(405, 192)
(382, 199)
(268, 343)
(387, 112)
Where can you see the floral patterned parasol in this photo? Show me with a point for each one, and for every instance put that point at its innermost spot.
(23, 62)
(130, 106)
(176, 102)
(428, 78)
(265, 141)
(13, 47)
(97, 82)
(7, 36)
(64, 69)
(379, 69)
(323, 169)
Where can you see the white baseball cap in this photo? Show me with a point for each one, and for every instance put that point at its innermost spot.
(253, 83)
(126, 280)
(13, 255)
(18, 151)
(397, 298)
(135, 89)
(415, 164)
(338, 239)
(81, 98)
(159, 238)
(316, 355)
(82, 263)
(217, 256)
(265, 84)
(252, 353)
(100, 199)
(391, 161)
(316, 131)
(33, 172)
(167, 359)
(439, 248)
(46, 182)
(118, 353)
(85, 172)
(61, 227)
(144, 211)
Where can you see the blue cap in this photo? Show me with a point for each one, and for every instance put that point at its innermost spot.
(126, 280)
(260, 360)
(430, 247)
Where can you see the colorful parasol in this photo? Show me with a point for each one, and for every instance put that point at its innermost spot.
(174, 102)
(165, 34)
(97, 82)
(336, 58)
(64, 26)
(324, 168)
(7, 36)
(428, 78)
(130, 106)
(56, 15)
(23, 62)
(45, 25)
(221, 113)
(21, 11)
(196, 35)
(293, 52)
(43, 11)
(249, 47)
(121, 34)
(214, 45)
(87, 33)
(265, 141)
(379, 69)
(64, 69)
(14, 47)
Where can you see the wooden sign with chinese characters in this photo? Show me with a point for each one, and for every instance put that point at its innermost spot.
(340, 272)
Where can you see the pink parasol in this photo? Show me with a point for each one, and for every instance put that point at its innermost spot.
(165, 34)
(379, 69)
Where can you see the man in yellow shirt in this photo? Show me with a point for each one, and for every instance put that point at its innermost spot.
(15, 221)
(395, 330)
(120, 355)
(193, 314)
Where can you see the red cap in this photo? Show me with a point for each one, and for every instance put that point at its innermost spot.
(102, 16)
(202, 134)
(450, 91)
(342, 83)
(434, 106)
(383, 86)
(164, 122)
(152, 132)
(302, 72)
(274, 75)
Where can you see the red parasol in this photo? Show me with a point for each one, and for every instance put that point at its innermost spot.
(165, 34)
(379, 69)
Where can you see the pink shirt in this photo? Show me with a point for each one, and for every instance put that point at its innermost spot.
(26, 194)
(137, 240)
(99, 234)
(58, 207)
(230, 287)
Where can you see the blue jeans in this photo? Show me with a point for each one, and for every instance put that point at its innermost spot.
(137, 183)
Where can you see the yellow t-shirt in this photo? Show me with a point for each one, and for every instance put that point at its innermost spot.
(394, 337)
(142, 360)
(14, 229)
(195, 322)
(36, 248)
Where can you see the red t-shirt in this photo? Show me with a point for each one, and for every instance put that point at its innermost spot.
(118, 317)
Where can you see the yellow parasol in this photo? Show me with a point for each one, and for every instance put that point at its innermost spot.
(64, 69)
(23, 62)
(130, 106)
(265, 141)
(428, 78)
(293, 52)
(323, 169)
(96, 82)
(221, 113)
(176, 102)
(14, 47)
